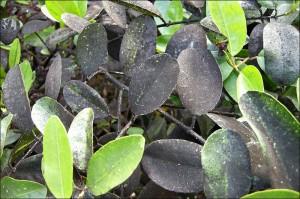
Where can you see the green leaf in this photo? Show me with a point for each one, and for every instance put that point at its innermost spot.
(249, 79)
(113, 163)
(278, 133)
(56, 8)
(80, 137)
(135, 130)
(5, 122)
(230, 84)
(230, 20)
(273, 194)
(12, 188)
(14, 53)
(57, 159)
(298, 90)
(27, 74)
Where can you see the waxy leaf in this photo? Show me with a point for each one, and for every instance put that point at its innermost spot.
(249, 79)
(92, 48)
(138, 43)
(44, 108)
(5, 123)
(281, 48)
(79, 95)
(9, 28)
(226, 165)
(190, 36)
(152, 83)
(27, 74)
(273, 194)
(14, 53)
(80, 137)
(230, 20)
(113, 163)
(35, 26)
(278, 133)
(199, 84)
(53, 78)
(58, 36)
(16, 100)
(175, 165)
(116, 12)
(57, 160)
(256, 44)
(74, 22)
(12, 188)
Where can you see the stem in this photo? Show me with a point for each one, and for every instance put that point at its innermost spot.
(119, 109)
(187, 129)
(124, 129)
(186, 21)
(41, 39)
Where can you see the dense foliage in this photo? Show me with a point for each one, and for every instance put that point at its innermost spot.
(150, 99)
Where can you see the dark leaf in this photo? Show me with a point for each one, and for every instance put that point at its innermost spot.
(92, 48)
(93, 10)
(226, 165)
(199, 83)
(278, 132)
(116, 12)
(35, 26)
(9, 28)
(255, 44)
(74, 22)
(58, 36)
(151, 190)
(16, 100)
(152, 83)
(79, 95)
(174, 165)
(138, 43)
(53, 78)
(281, 48)
(190, 36)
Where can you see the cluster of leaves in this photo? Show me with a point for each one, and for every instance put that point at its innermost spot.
(189, 59)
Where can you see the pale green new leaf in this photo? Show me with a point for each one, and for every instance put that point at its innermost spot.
(113, 163)
(230, 20)
(5, 122)
(80, 137)
(27, 74)
(14, 53)
(273, 194)
(12, 188)
(57, 159)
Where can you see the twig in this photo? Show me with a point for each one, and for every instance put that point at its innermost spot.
(193, 123)
(124, 129)
(186, 21)
(41, 39)
(187, 129)
(225, 113)
(119, 109)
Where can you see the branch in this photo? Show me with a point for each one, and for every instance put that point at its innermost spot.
(119, 110)
(124, 129)
(186, 21)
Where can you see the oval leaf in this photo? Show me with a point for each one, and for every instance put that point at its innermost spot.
(44, 108)
(53, 78)
(138, 43)
(4, 124)
(281, 48)
(92, 48)
(9, 28)
(12, 188)
(74, 22)
(35, 26)
(79, 95)
(175, 165)
(152, 83)
(230, 20)
(199, 84)
(80, 137)
(16, 100)
(226, 165)
(14, 53)
(113, 163)
(273, 194)
(275, 126)
(256, 44)
(116, 12)
(249, 79)
(190, 36)
(58, 36)
(57, 159)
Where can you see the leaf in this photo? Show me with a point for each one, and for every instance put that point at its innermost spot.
(256, 44)
(35, 25)
(273, 194)
(116, 12)
(138, 43)
(56, 8)
(274, 126)
(135, 130)
(198, 67)
(92, 48)
(10, 28)
(226, 165)
(74, 22)
(145, 7)
(5, 123)
(281, 52)
(230, 85)
(93, 10)
(14, 53)
(230, 20)
(225, 68)
(11, 137)
(174, 165)
(80, 137)
(58, 36)
(79, 95)
(12, 188)
(249, 79)
(16, 100)
(113, 163)
(54, 78)
(44, 108)
(152, 83)
(57, 159)
(27, 74)
(189, 36)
